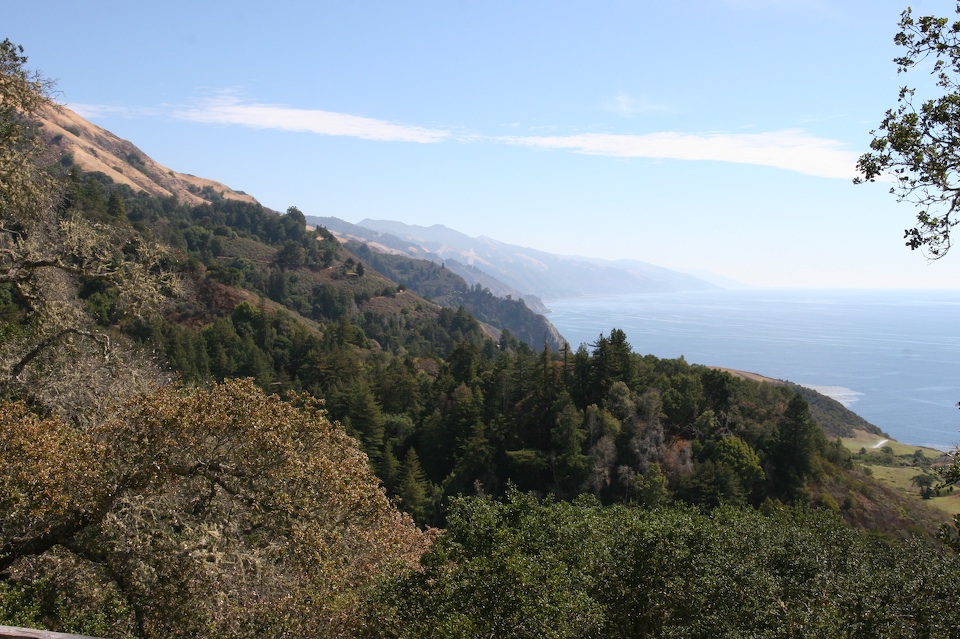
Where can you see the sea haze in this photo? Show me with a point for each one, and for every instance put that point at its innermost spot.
(891, 356)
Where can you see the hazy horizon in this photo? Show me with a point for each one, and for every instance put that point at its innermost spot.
(706, 275)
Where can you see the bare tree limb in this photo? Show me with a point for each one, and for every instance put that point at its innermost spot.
(17, 369)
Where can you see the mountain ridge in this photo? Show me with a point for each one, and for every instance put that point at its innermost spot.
(75, 143)
(519, 271)
(546, 275)
(393, 245)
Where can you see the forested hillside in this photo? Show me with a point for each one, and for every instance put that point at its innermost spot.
(440, 408)
(216, 420)
(390, 244)
(542, 274)
(446, 288)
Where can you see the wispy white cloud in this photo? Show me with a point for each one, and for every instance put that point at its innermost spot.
(808, 6)
(90, 111)
(764, 4)
(629, 106)
(228, 109)
(793, 150)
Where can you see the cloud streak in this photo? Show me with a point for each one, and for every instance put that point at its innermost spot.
(229, 110)
(792, 150)
(629, 106)
(91, 111)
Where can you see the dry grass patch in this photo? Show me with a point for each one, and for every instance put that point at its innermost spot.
(901, 480)
(895, 465)
(872, 441)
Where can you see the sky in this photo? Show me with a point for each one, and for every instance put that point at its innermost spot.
(699, 135)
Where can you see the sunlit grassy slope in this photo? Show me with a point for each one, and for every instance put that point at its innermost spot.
(896, 464)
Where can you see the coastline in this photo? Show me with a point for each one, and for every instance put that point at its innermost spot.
(892, 356)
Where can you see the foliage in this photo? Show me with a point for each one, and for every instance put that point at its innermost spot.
(559, 569)
(24, 187)
(470, 418)
(45, 250)
(216, 511)
(446, 288)
(917, 141)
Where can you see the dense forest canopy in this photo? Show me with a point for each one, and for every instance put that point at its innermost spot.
(521, 568)
(216, 420)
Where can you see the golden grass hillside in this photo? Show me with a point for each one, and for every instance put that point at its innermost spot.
(93, 149)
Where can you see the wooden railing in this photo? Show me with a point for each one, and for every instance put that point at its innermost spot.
(9, 632)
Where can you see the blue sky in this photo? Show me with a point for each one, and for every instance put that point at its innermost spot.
(704, 134)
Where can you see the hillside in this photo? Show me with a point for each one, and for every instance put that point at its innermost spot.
(530, 271)
(272, 298)
(447, 288)
(834, 418)
(74, 141)
(392, 245)
(218, 420)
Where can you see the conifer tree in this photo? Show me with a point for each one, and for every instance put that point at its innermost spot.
(414, 490)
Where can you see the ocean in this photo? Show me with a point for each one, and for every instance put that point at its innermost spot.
(891, 356)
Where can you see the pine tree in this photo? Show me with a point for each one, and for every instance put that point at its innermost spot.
(414, 489)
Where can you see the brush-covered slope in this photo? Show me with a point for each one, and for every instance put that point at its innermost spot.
(447, 288)
(386, 243)
(543, 274)
(441, 405)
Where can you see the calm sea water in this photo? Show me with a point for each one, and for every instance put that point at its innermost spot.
(891, 356)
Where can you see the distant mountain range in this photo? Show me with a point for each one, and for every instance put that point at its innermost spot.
(76, 144)
(504, 269)
(508, 269)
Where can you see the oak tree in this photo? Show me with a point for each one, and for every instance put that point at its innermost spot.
(55, 352)
(917, 141)
(215, 511)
